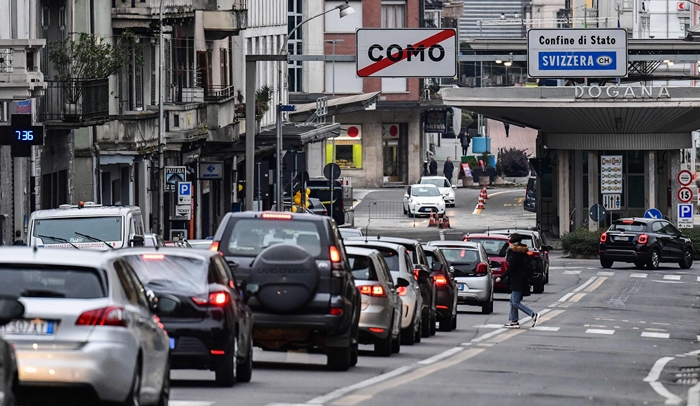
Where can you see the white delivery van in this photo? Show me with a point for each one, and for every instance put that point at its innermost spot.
(87, 226)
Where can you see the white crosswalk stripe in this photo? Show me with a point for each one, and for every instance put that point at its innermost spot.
(599, 331)
(638, 275)
(606, 273)
(672, 277)
(650, 334)
(546, 328)
(570, 272)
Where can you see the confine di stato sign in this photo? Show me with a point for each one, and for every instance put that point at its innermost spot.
(577, 53)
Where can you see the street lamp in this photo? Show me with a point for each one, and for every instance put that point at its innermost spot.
(161, 135)
(345, 10)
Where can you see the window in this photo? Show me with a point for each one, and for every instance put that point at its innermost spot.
(53, 281)
(394, 85)
(294, 45)
(393, 13)
(362, 268)
(346, 81)
(348, 147)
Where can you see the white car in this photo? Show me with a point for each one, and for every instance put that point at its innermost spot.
(446, 189)
(423, 199)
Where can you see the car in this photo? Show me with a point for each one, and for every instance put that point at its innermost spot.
(294, 267)
(423, 199)
(496, 246)
(646, 242)
(200, 244)
(317, 207)
(85, 314)
(422, 274)
(400, 265)
(446, 287)
(153, 240)
(348, 232)
(446, 189)
(211, 328)
(320, 188)
(472, 272)
(538, 250)
(10, 309)
(380, 319)
(530, 202)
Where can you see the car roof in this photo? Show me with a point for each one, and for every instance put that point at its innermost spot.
(514, 231)
(423, 185)
(358, 250)
(295, 216)
(432, 177)
(637, 219)
(53, 256)
(176, 251)
(497, 236)
(460, 244)
(394, 240)
(87, 211)
(358, 242)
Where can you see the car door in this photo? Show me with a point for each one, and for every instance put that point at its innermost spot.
(674, 245)
(388, 283)
(242, 312)
(407, 198)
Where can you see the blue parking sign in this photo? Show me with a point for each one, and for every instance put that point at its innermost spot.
(685, 211)
(184, 189)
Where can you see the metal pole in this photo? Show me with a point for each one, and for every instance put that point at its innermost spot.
(278, 160)
(250, 126)
(332, 180)
(161, 135)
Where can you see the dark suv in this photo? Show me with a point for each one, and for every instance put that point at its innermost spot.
(296, 272)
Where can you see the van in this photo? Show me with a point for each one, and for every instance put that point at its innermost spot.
(87, 225)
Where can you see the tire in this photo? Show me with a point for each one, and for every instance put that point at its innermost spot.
(446, 324)
(640, 264)
(226, 371)
(454, 322)
(396, 344)
(164, 397)
(354, 354)
(339, 359)
(546, 276)
(419, 330)
(654, 259)
(134, 397)
(384, 347)
(408, 336)
(433, 327)
(425, 325)
(606, 263)
(687, 260)
(404, 210)
(538, 287)
(487, 308)
(244, 370)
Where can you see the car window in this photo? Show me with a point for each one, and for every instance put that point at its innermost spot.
(425, 191)
(460, 255)
(435, 181)
(51, 281)
(384, 270)
(627, 226)
(409, 263)
(362, 267)
(493, 247)
(657, 227)
(250, 236)
(126, 283)
(669, 228)
(171, 273)
(420, 255)
(224, 271)
(430, 257)
(139, 290)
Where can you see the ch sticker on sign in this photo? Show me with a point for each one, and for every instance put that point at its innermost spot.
(400, 53)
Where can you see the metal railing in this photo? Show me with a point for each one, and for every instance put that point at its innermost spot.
(75, 100)
(218, 93)
(154, 5)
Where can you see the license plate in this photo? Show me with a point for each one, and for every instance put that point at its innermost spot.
(29, 327)
(172, 343)
(622, 238)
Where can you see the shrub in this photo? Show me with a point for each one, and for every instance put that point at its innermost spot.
(513, 162)
(694, 235)
(581, 243)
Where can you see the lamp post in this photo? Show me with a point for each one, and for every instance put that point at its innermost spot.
(345, 10)
(161, 135)
(332, 187)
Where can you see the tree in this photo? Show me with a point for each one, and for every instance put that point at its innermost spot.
(467, 119)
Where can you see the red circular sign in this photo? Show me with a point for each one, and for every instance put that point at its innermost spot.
(685, 195)
(684, 177)
(394, 130)
(353, 131)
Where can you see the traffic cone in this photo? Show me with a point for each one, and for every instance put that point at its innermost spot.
(481, 193)
(486, 194)
(446, 222)
(480, 204)
(432, 220)
(439, 220)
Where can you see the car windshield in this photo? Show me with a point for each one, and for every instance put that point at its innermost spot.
(250, 236)
(51, 282)
(425, 191)
(361, 268)
(66, 228)
(627, 226)
(436, 181)
(460, 256)
(171, 273)
(492, 246)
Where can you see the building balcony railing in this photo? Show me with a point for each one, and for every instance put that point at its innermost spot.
(151, 8)
(202, 94)
(75, 101)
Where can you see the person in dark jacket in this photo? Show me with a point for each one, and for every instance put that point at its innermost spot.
(448, 169)
(433, 167)
(518, 273)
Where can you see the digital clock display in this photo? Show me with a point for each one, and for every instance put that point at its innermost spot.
(21, 135)
(24, 135)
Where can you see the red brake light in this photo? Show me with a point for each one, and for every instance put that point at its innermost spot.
(375, 290)
(214, 246)
(218, 352)
(376, 330)
(441, 307)
(402, 291)
(107, 316)
(415, 273)
(156, 257)
(535, 254)
(643, 239)
(335, 254)
(216, 299)
(440, 280)
(465, 238)
(627, 221)
(482, 269)
(604, 237)
(277, 216)
(336, 311)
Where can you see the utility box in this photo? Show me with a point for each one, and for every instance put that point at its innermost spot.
(481, 145)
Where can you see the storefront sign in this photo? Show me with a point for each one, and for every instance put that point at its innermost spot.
(173, 175)
(435, 121)
(611, 174)
(622, 92)
(211, 170)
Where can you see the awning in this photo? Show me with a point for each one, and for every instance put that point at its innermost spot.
(337, 106)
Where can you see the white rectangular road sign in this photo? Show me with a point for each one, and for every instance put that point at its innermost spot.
(184, 211)
(685, 215)
(611, 201)
(577, 53)
(184, 193)
(405, 53)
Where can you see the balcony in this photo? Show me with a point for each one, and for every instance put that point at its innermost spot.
(20, 76)
(90, 106)
(140, 13)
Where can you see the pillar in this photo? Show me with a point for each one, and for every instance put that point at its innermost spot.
(563, 176)
(650, 169)
(593, 169)
(674, 160)
(579, 189)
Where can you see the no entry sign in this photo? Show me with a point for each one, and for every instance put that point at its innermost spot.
(402, 53)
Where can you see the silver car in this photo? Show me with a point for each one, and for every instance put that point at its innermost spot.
(87, 327)
(472, 271)
(400, 266)
(380, 317)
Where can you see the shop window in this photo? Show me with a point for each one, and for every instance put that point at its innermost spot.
(348, 147)
(635, 191)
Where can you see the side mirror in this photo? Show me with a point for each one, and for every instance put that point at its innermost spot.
(402, 283)
(138, 241)
(249, 290)
(436, 266)
(164, 304)
(405, 196)
(10, 309)
(423, 274)
(495, 264)
(454, 186)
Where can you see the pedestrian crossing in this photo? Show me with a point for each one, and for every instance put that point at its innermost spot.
(657, 275)
(593, 330)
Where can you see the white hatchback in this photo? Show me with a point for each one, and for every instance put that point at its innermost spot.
(423, 199)
(444, 186)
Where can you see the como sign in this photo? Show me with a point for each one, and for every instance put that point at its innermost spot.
(577, 53)
(404, 53)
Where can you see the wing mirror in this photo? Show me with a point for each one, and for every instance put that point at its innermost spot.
(249, 290)
(495, 264)
(405, 196)
(402, 283)
(10, 309)
(164, 304)
(436, 266)
(454, 186)
(423, 274)
(138, 241)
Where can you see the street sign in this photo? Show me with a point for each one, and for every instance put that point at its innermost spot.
(611, 173)
(685, 216)
(597, 212)
(184, 212)
(211, 170)
(184, 193)
(577, 53)
(685, 195)
(331, 171)
(685, 178)
(611, 201)
(404, 53)
(173, 175)
(653, 213)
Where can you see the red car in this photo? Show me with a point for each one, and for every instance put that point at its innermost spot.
(495, 246)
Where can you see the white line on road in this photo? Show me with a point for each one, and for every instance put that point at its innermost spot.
(585, 285)
(606, 273)
(658, 387)
(360, 385)
(189, 403)
(441, 356)
(566, 297)
(570, 272)
(698, 279)
(599, 331)
(565, 267)
(488, 326)
(672, 277)
(655, 335)
(638, 275)
(668, 281)
(694, 395)
(545, 328)
(655, 371)
(488, 335)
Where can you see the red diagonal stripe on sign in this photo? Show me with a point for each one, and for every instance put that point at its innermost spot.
(386, 62)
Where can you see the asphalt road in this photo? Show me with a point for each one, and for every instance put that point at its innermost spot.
(617, 336)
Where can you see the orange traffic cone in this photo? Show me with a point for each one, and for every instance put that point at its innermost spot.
(439, 220)
(432, 220)
(480, 204)
(445, 222)
(486, 194)
(481, 193)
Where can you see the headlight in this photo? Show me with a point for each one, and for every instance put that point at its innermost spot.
(451, 193)
(416, 203)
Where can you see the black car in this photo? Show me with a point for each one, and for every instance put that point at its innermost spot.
(646, 243)
(530, 202)
(321, 189)
(211, 328)
(427, 286)
(538, 250)
(10, 309)
(444, 279)
(296, 269)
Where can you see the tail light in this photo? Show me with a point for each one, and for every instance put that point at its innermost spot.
(215, 299)
(482, 269)
(442, 307)
(372, 290)
(153, 257)
(440, 280)
(402, 290)
(376, 330)
(159, 323)
(416, 272)
(214, 246)
(643, 239)
(465, 238)
(335, 254)
(604, 237)
(108, 316)
(535, 254)
(218, 352)
(336, 311)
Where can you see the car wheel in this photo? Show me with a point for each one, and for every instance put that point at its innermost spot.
(687, 260)
(454, 322)
(408, 334)
(433, 322)
(396, 345)
(487, 308)
(538, 287)
(445, 324)
(384, 347)
(134, 398)
(654, 259)
(404, 210)
(339, 359)
(425, 325)
(244, 372)
(226, 371)
(640, 264)
(355, 355)
(165, 387)
(606, 263)
(546, 276)
(419, 330)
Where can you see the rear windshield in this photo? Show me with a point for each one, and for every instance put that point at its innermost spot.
(68, 282)
(391, 258)
(56, 230)
(493, 247)
(250, 236)
(171, 273)
(362, 268)
(460, 256)
(620, 226)
(437, 182)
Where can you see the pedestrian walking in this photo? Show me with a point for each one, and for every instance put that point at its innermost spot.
(433, 167)
(518, 274)
(448, 169)
(426, 172)
(464, 141)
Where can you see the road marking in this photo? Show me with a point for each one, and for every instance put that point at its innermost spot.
(658, 387)
(667, 281)
(488, 326)
(599, 331)
(649, 334)
(566, 297)
(570, 272)
(189, 403)
(585, 285)
(476, 209)
(360, 385)
(441, 356)
(545, 328)
(596, 284)
(488, 335)
(503, 337)
(577, 297)
(694, 395)
(601, 273)
(638, 275)
(698, 279)
(672, 277)
(565, 267)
